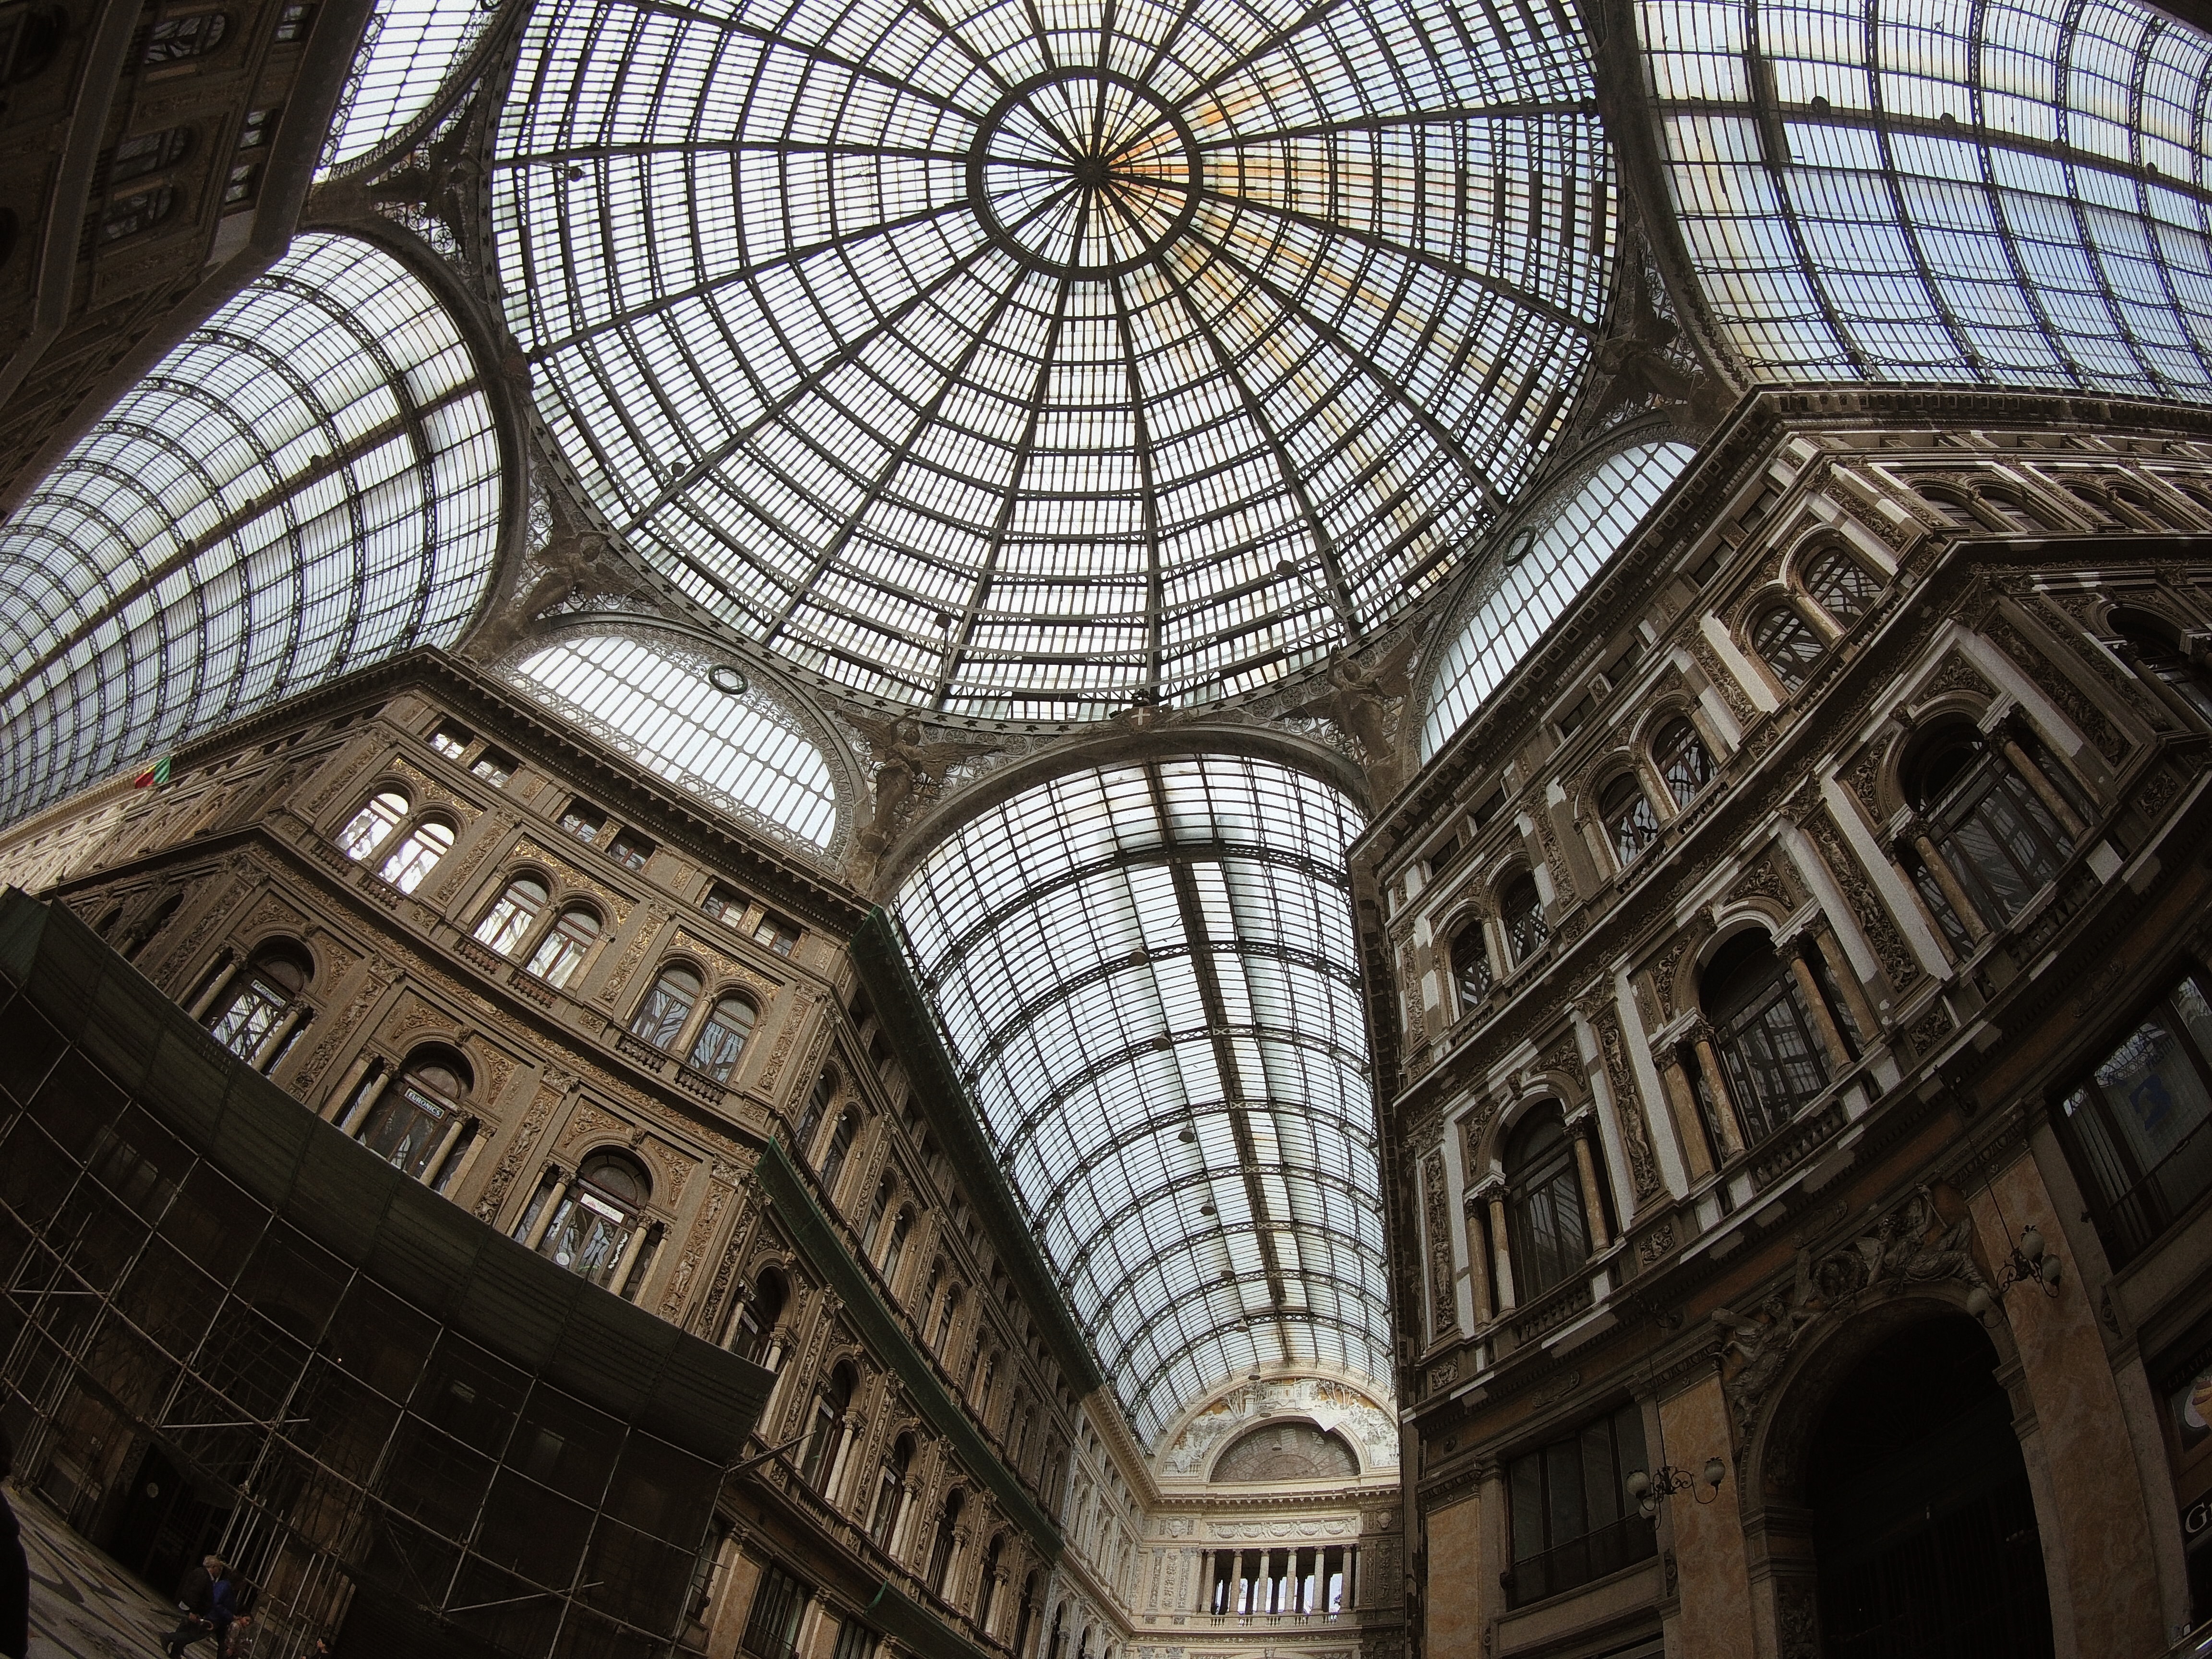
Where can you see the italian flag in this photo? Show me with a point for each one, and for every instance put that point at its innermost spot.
(157, 773)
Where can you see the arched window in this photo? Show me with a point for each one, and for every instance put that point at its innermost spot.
(2006, 509)
(2154, 647)
(175, 39)
(1630, 825)
(1521, 912)
(264, 995)
(510, 921)
(1025, 1615)
(1680, 754)
(367, 829)
(562, 951)
(945, 1314)
(895, 1246)
(1470, 965)
(891, 1492)
(987, 1595)
(841, 1145)
(1544, 1198)
(722, 1038)
(941, 1549)
(1993, 831)
(878, 1208)
(418, 854)
(1763, 1032)
(600, 1220)
(141, 210)
(1788, 646)
(817, 1107)
(825, 1423)
(419, 1115)
(752, 1332)
(660, 1019)
(1840, 585)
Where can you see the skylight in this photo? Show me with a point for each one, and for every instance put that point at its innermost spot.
(695, 722)
(2007, 192)
(1013, 362)
(1541, 571)
(309, 483)
(410, 48)
(1148, 979)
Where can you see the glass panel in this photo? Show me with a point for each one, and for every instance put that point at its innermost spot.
(1538, 573)
(309, 484)
(508, 921)
(416, 856)
(562, 951)
(1940, 193)
(366, 829)
(890, 384)
(659, 1019)
(1147, 975)
(741, 750)
(1789, 646)
(405, 1126)
(410, 47)
(722, 1038)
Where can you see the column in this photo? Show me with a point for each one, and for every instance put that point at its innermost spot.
(1808, 986)
(2046, 791)
(459, 1182)
(1500, 1249)
(273, 1043)
(445, 1149)
(557, 1189)
(1947, 880)
(350, 1125)
(1709, 1066)
(339, 1096)
(1478, 1257)
(1601, 1240)
(205, 1000)
(1846, 978)
(1689, 1126)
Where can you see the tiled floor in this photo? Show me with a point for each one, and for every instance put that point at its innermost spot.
(83, 1605)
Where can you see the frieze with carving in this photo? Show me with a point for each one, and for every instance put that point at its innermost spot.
(1867, 907)
(550, 1095)
(648, 930)
(1627, 1097)
(1443, 1316)
(1335, 1406)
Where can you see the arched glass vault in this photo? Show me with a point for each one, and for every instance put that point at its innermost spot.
(2013, 192)
(310, 483)
(1018, 362)
(1147, 975)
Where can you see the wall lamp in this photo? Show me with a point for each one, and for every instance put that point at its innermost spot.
(2031, 1261)
(1665, 1480)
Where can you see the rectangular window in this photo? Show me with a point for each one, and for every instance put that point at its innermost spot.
(2137, 1122)
(771, 1626)
(255, 130)
(584, 822)
(293, 21)
(1572, 1521)
(238, 190)
(493, 767)
(629, 849)
(726, 904)
(777, 934)
(855, 1641)
(452, 741)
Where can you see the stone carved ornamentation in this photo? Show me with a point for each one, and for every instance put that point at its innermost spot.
(588, 1123)
(340, 777)
(1797, 1620)
(335, 1034)
(1334, 1407)
(1444, 1302)
(2089, 719)
(1872, 914)
(1627, 1098)
(1731, 692)
(1760, 879)
(1656, 1243)
(797, 1020)
(728, 970)
(720, 1194)
(549, 1096)
(1955, 673)
(1663, 966)
(648, 930)
(1928, 1239)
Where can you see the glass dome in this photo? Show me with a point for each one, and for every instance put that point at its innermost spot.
(1021, 361)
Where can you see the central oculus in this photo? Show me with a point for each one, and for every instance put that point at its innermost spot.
(1083, 173)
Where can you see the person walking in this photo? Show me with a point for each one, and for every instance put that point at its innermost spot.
(196, 1601)
(15, 1568)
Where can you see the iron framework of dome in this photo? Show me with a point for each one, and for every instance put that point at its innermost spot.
(1023, 363)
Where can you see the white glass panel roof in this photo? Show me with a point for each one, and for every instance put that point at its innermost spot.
(735, 749)
(1014, 360)
(1559, 558)
(1146, 975)
(2008, 192)
(408, 49)
(309, 483)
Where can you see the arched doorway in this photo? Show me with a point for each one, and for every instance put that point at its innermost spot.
(1924, 1524)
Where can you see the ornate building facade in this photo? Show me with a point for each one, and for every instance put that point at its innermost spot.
(1793, 980)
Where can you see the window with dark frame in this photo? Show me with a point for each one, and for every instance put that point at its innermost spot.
(585, 822)
(1992, 830)
(1775, 1063)
(293, 21)
(772, 1626)
(173, 39)
(148, 152)
(1788, 645)
(2136, 1125)
(1571, 1516)
(493, 767)
(629, 850)
(1544, 1200)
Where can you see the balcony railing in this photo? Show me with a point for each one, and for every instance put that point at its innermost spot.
(1627, 1541)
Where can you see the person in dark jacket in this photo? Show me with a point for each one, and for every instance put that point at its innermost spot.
(196, 1601)
(15, 1568)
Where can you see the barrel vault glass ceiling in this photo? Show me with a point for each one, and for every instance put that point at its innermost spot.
(1026, 360)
